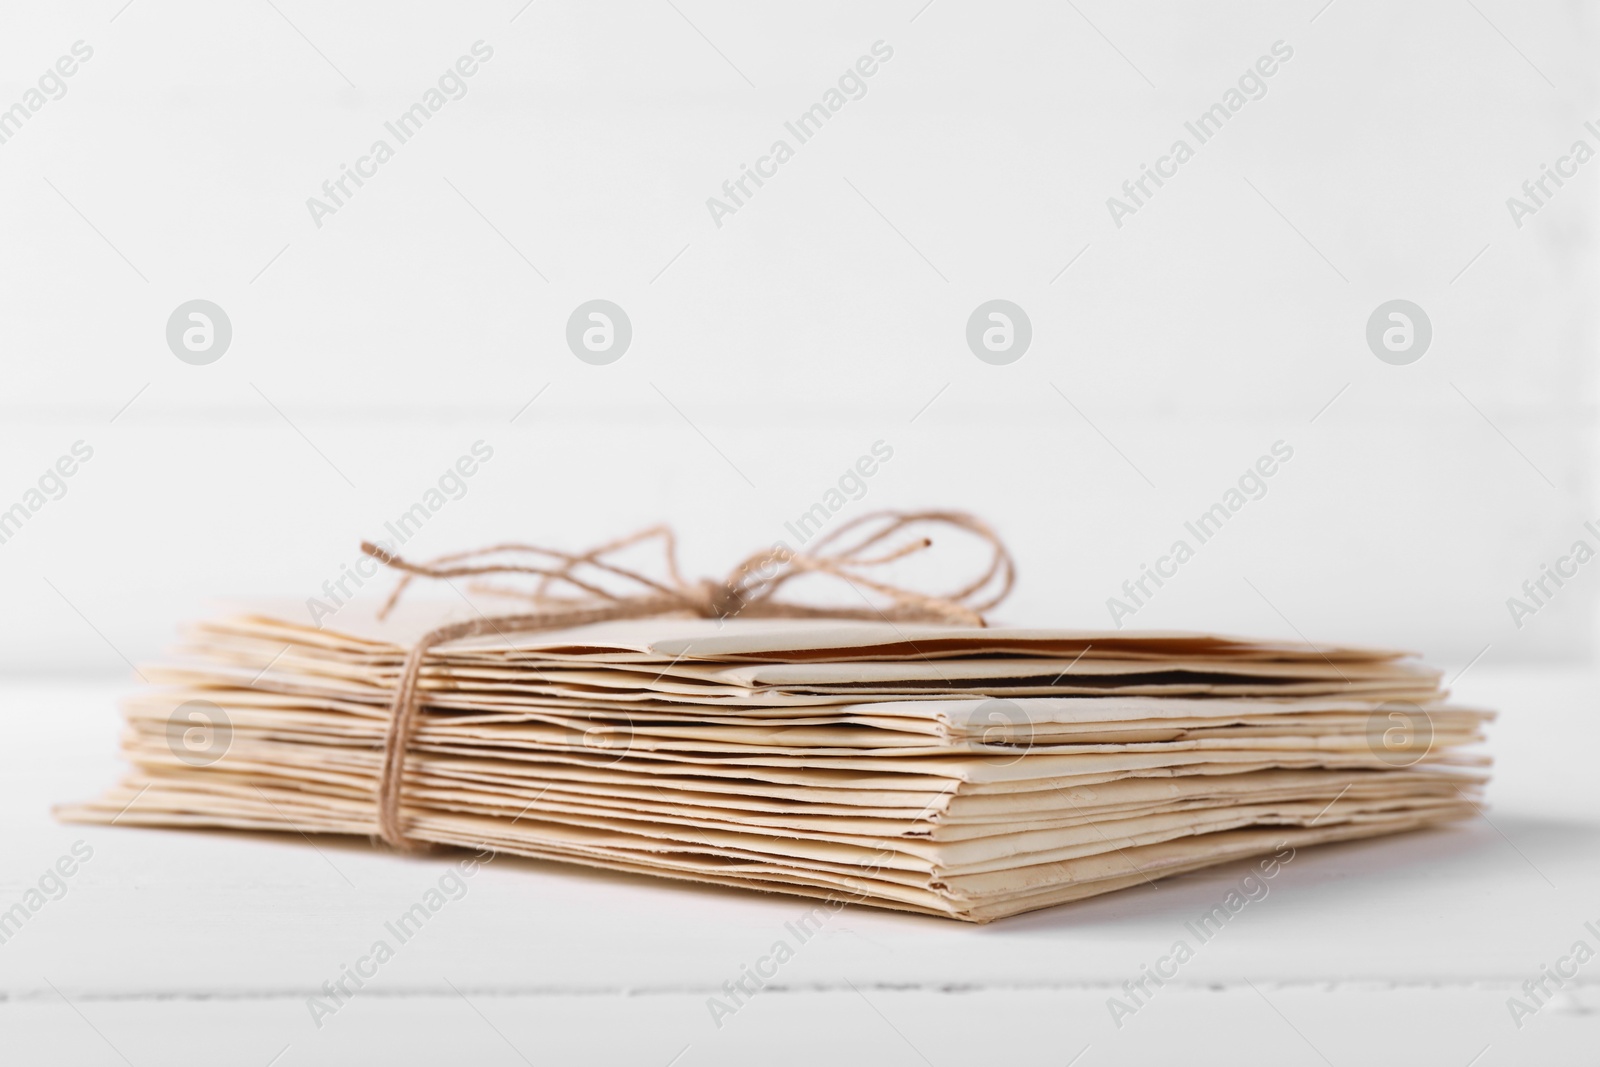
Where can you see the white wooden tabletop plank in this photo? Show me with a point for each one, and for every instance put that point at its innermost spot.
(1449, 922)
(1196, 1027)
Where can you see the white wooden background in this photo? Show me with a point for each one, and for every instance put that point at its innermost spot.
(822, 317)
(826, 315)
(204, 948)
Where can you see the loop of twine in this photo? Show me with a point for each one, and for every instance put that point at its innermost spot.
(749, 591)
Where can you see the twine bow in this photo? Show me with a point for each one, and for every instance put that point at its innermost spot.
(570, 593)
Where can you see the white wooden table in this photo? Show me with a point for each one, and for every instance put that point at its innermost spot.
(203, 948)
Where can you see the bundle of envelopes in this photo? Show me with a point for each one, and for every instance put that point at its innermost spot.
(971, 773)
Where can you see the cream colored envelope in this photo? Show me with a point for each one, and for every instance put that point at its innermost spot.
(972, 773)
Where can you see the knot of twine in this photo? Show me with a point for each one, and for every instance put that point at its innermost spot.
(569, 594)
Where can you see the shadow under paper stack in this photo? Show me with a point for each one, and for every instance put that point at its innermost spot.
(970, 773)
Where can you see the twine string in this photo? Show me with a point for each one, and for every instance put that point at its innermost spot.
(570, 593)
